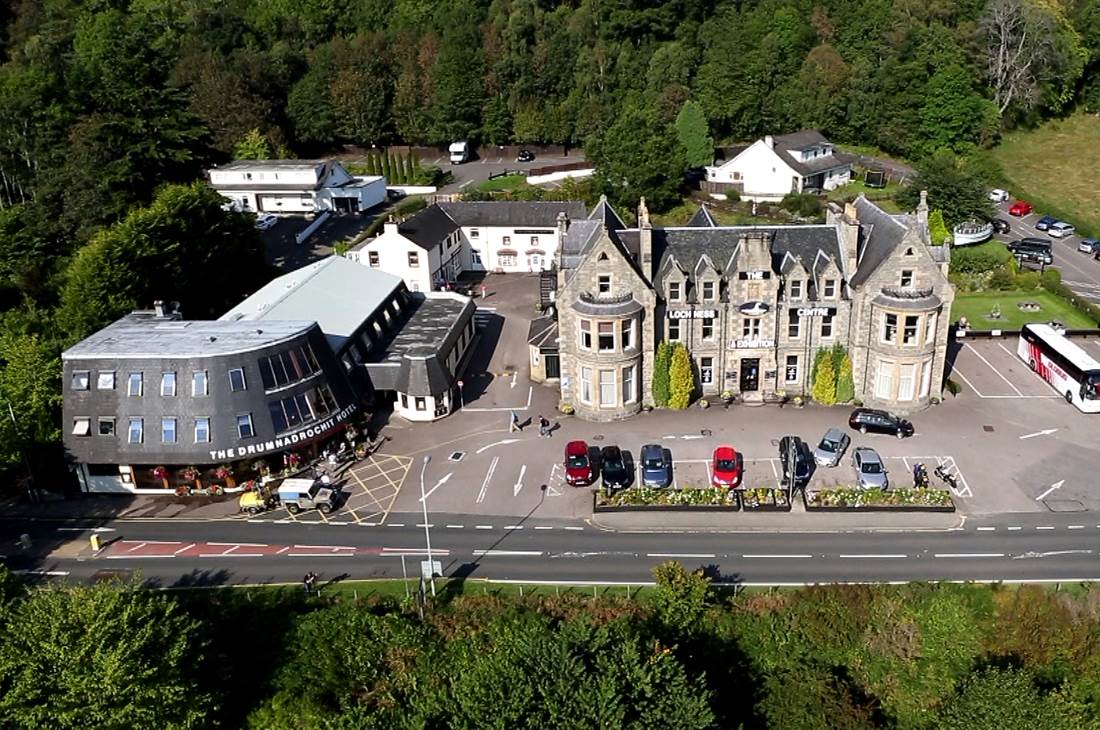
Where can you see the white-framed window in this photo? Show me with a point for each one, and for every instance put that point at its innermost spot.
(907, 277)
(168, 385)
(889, 327)
(606, 336)
(414, 259)
(708, 328)
(236, 380)
(134, 385)
(586, 385)
(82, 426)
(790, 373)
(750, 328)
(674, 291)
(829, 290)
(884, 380)
(202, 430)
(420, 403)
(796, 289)
(136, 430)
(926, 378)
(794, 324)
(826, 326)
(929, 328)
(603, 284)
(168, 430)
(475, 233)
(373, 259)
(81, 379)
(907, 382)
(909, 334)
(585, 333)
(673, 330)
(534, 241)
(607, 389)
(244, 426)
(706, 370)
(200, 383)
(627, 333)
(475, 258)
(629, 393)
(507, 259)
(506, 240)
(708, 291)
(106, 425)
(105, 380)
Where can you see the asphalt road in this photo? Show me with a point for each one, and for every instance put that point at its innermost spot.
(1028, 548)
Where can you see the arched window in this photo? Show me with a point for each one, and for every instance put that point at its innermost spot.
(602, 256)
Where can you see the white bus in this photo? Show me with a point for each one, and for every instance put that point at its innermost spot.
(1069, 369)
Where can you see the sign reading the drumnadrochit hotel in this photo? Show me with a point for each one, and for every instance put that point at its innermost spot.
(286, 440)
(692, 314)
(747, 344)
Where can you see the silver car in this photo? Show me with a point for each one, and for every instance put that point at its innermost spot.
(1061, 229)
(831, 447)
(870, 471)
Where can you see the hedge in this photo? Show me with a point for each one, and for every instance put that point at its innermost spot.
(921, 497)
(651, 496)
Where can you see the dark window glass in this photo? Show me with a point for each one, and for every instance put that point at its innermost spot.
(303, 407)
(293, 417)
(278, 420)
(278, 368)
(295, 366)
(265, 373)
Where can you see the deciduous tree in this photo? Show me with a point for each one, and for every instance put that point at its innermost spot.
(638, 156)
(691, 129)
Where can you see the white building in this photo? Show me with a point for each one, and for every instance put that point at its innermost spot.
(772, 167)
(443, 240)
(296, 186)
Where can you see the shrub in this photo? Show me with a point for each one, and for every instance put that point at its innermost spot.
(845, 385)
(804, 205)
(937, 229)
(681, 378)
(1050, 278)
(824, 388)
(661, 363)
(979, 259)
(1002, 280)
(1027, 280)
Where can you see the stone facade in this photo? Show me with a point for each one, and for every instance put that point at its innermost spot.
(753, 305)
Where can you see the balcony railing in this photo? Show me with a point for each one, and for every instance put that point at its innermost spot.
(590, 298)
(900, 293)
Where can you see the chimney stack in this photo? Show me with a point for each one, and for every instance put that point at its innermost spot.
(769, 140)
(922, 216)
(645, 241)
(160, 309)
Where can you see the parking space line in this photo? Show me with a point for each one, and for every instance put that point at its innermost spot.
(955, 371)
(990, 366)
(488, 477)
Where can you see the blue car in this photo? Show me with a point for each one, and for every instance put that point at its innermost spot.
(656, 466)
(1089, 245)
(1044, 223)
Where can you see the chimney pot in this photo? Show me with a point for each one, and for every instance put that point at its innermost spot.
(158, 307)
(769, 140)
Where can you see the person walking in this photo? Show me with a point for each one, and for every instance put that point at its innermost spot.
(544, 426)
(513, 424)
(310, 582)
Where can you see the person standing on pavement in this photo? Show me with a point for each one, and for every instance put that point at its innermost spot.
(544, 426)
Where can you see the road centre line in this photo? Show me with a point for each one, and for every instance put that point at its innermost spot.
(680, 555)
(986, 529)
(778, 556)
(995, 370)
(968, 555)
(572, 528)
(548, 527)
(1013, 529)
(1075, 527)
(873, 556)
(455, 527)
(483, 527)
(513, 527)
(519, 553)
(1045, 527)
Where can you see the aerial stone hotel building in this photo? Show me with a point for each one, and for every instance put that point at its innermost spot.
(753, 304)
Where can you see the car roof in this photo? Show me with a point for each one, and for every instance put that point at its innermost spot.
(833, 434)
(866, 453)
(612, 449)
(651, 448)
(872, 411)
(725, 452)
(576, 447)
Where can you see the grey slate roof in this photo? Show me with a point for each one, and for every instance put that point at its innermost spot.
(336, 293)
(428, 227)
(880, 234)
(607, 216)
(512, 213)
(414, 361)
(702, 218)
(143, 335)
(787, 143)
(543, 331)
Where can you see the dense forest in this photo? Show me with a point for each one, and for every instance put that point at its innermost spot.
(681, 656)
(102, 103)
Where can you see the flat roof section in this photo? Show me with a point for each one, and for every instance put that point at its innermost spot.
(144, 335)
(434, 322)
(271, 165)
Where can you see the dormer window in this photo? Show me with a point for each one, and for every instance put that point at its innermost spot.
(708, 291)
(796, 289)
(674, 291)
(829, 290)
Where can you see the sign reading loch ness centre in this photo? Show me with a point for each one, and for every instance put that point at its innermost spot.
(284, 441)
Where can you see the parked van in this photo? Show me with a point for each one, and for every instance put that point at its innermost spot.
(460, 152)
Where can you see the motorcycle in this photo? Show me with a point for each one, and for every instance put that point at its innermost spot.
(946, 476)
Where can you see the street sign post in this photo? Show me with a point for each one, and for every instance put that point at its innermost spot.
(431, 569)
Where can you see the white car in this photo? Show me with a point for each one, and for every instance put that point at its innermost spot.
(1061, 229)
(998, 196)
(266, 221)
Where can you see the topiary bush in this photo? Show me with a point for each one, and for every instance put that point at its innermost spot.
(824, 388)
(660, 374)
(681, 378)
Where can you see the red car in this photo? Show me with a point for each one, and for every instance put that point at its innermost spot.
(725, 468)
(1020, 208)
(578, 466)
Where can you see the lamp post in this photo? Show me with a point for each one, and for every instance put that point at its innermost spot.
(427, 535)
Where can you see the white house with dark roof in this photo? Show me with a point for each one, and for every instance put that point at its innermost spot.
(295, 186)
(775, 166)
(752, 304)
(438, 243)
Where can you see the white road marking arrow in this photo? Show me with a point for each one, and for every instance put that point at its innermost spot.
(689, 438)
(505, 442)
(1044, 432)
(438, 484)
(1054, 486)
(513, 383)
(519, 482)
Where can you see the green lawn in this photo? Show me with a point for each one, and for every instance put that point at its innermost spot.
(507, 182)
(976, 307)
(1057, 168)
(857, 186)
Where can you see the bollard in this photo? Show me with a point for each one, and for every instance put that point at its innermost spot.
(94, 539)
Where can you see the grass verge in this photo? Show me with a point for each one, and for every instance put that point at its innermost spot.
(977, 307)
(506, 182)
(1055, 167)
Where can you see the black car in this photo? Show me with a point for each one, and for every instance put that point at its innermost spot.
(1034, 250)
(870, 419)
(525, 156)
(395, 194)
(795, 456)
(1000, 225)
(614, 470)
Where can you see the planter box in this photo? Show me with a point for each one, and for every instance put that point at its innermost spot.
(811, 507)
(598, 508)
(775, 505)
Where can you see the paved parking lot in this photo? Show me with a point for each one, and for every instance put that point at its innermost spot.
(478, 170)
(1079, 271)
(992, 369)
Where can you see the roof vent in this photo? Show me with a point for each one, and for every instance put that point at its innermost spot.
(213, 338)
(259, 332)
